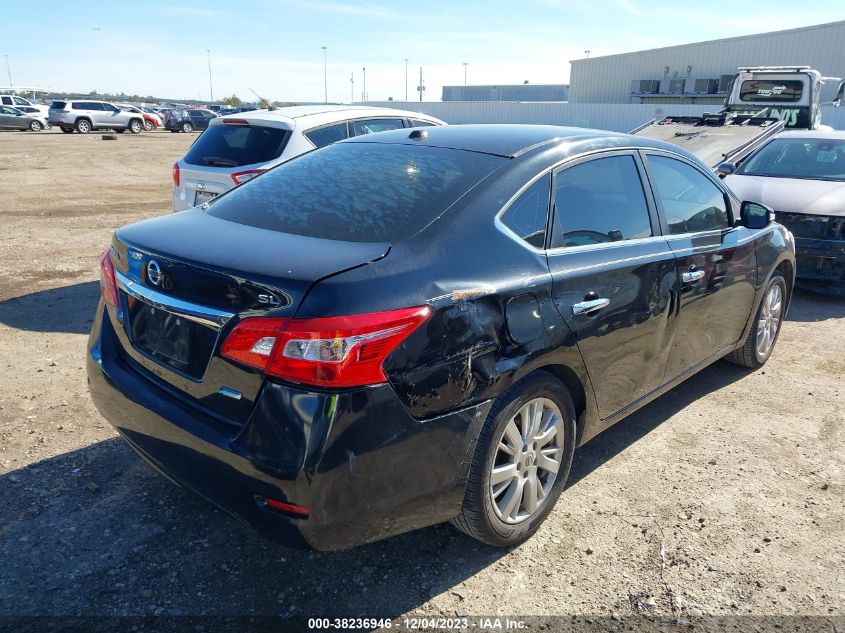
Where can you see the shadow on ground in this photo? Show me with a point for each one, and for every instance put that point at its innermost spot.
(67, 309)
(811, 307)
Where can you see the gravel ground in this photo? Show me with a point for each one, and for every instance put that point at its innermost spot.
(723, 497)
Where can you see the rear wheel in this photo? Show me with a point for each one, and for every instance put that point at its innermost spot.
(764, 334)
(67, 130)
(148, 125)
(187, 127)
(521, 462)
(135, 126)
(83, 126)
(36, 126)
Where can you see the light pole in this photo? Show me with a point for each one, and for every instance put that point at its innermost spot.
(352, 88)
(210, 88)
(364, 87)
(406, 79)
(325, 77)
(465, 72)
(8, 70)
(421, 87)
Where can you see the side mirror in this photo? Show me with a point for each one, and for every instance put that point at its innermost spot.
(725, 169)
(754, 215)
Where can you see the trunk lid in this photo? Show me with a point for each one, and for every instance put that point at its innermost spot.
(186, 278)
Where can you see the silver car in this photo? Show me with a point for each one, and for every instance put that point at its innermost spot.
(14, 119)
(84, 115)
(237, 147)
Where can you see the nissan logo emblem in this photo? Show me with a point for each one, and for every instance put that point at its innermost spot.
(154, 273)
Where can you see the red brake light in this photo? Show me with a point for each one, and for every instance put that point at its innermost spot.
(242, 176)
(108, 286)
(236, 121)
(176, 174)
(346, 351)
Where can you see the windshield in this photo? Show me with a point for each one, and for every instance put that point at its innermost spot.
(786, 91)
(357, 192)
(815, 158)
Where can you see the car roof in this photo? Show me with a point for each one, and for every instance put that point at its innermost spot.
(834, 134)
(511, 140)
(316, 115)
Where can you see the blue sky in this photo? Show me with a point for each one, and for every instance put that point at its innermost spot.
(274, 46)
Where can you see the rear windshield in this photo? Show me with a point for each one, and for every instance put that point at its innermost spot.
(785, 91)
(357, 192)
(58, 105)
(231, 145)
(814, 158)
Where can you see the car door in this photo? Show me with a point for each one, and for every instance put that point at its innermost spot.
(612, 275)
(8, 120)
(716, 263)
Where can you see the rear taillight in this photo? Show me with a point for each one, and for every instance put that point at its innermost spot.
(242, 176)
(176, 178)
(235, 121)
(108, 286)
(346, 351)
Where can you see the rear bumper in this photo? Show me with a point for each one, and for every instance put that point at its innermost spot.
(820, 263)
(363, 466)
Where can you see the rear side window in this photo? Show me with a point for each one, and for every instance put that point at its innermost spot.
(690, 200)
(230, 145)
(357, 192)
(327, 135)
(600, 201)
(371, 126)
(7, 101)
(526, 217)
(420, 123)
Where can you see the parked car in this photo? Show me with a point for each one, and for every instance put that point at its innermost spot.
(237, 147)
(189, 120)
(19, 102)
(35, 113)
(151, 120)
(801, 175)
(15, 119)
(420, 325)
(85, 115)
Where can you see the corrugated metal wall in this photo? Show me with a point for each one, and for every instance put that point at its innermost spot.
(618, 117)
(608, 79)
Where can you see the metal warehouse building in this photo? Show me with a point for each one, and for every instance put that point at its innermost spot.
(517, 92)
(699, 73)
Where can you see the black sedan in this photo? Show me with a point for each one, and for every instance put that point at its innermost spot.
(188, 120)
(420, 326)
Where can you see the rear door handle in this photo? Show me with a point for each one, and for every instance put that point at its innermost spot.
(588, 307)
(692, 276)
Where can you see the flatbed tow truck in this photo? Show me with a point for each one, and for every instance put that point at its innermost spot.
(761, 101)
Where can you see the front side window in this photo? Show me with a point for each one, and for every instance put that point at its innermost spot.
(690, 200)
(599, 201)
(357, 192)
(813, 158)
(19, 101)
(370, 126)
(527, 216)
(327, 135)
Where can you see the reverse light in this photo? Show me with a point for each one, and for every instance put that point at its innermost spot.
(346, 351)
(108, 285)
(176, 177)
(242, 176)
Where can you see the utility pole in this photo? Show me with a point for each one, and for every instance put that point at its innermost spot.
(421, 87)
(8, 70)
(210, 88)
(325, 77)
(352, 88)
(465, 72)
(364, 87)
(406, 79)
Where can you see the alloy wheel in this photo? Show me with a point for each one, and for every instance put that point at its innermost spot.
(527, 460)
(769, 321)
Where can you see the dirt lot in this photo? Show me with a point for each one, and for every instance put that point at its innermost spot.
(723, 497)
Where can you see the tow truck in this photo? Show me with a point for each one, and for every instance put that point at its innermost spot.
(761, 101)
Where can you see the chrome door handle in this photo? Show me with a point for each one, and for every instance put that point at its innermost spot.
(692, 276)
(588, 307)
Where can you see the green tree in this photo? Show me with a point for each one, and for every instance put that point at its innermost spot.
(233, 101)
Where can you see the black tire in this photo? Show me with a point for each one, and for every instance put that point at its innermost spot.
(83, 126)
(748, 355)
(121, 131)
(186, 127)
(478, 519)
(35, 126)
(136, 126)
(67, 130)
(148, 125)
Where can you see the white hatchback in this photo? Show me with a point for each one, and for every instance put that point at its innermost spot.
(237, 147)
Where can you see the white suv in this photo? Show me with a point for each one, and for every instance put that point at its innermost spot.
(237, 147)
(84, 115)
(20, 103)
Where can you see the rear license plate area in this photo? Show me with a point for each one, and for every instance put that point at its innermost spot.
(202, 197)
(170, 339)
